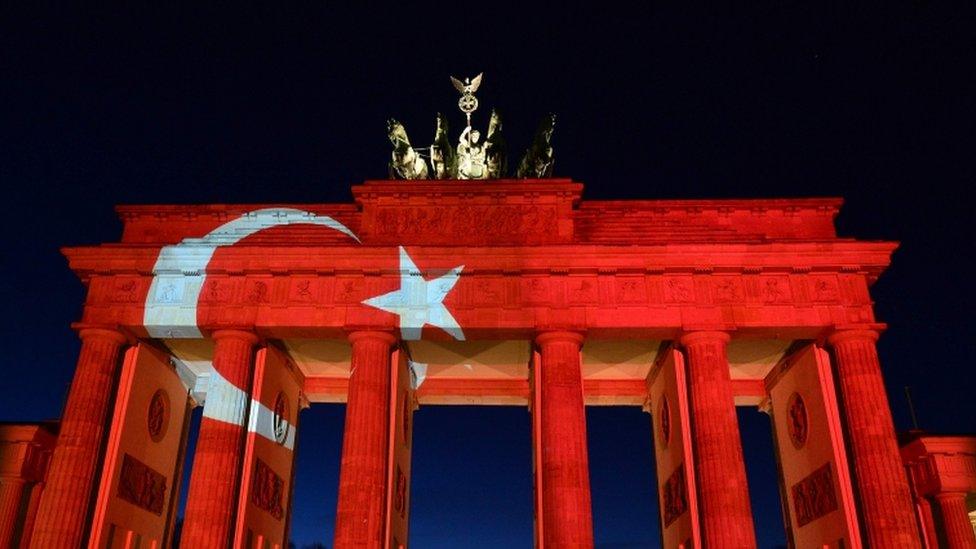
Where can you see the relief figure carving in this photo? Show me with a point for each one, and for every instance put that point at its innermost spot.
(142, 486)
(268, 489)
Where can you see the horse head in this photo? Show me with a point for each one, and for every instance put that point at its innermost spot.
(441, 126)
(495, 123)
(397, 134)
(547, 126)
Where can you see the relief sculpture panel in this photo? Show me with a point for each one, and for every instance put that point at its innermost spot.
(473, 224)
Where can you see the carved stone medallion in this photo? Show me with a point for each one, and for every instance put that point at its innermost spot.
(280, 418)
(797, 421)
(665, 414)
(157, 417)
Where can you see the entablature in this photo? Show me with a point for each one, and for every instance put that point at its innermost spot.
(506, 212)
(859, 257)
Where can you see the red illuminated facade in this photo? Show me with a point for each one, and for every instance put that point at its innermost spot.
(510, 292)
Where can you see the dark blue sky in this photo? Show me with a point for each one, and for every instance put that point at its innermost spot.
(246, 104)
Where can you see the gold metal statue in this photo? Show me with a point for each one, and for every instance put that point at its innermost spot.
(468, 102)
(473, 158)
(470, 150)
(442, 156)
(538, 159)
(496, 150)
(406, 162)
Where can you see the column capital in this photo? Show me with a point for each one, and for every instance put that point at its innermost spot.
(113, 333)
(699, 336)
(380, 335)
(853, 334)
(542, 338)
(235, 333)
(949, 495)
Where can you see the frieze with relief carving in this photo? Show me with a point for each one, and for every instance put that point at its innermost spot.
(470, 224)
(400, 498)
(814, 497)
(674, 496)
(268, 490)
(780, 299)
(142, 486)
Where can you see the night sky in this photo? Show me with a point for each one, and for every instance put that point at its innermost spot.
(236, 104)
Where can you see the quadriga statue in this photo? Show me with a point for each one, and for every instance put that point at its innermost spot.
(442, 156)
(405, 162)
(538, 159)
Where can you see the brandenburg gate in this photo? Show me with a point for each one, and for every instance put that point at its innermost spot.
(463, 286)
(512, 292)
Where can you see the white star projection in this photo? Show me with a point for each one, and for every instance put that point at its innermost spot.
(419, 302)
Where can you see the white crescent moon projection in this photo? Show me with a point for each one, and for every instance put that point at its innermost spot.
(181, 269)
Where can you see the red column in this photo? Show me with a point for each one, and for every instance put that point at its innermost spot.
(566, 512)
(215, 479)
(63, 515)
(31, 515)
(363, 470)
(723, 493)
(926, 522)
(880, 480)
(955, 518)
(11, 493)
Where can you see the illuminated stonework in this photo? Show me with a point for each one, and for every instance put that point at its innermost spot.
(157, 418)
(507, 292)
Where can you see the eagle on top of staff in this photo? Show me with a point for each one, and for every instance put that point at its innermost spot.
(473, 158)
(470, 85)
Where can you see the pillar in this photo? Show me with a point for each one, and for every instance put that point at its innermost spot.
(215, 478)
(11, 494)
(31, 515)
(363, 470)
(880, 481)
(926, 522)
(63, 514)
(566, 511)
(723, 492)
(955, 520)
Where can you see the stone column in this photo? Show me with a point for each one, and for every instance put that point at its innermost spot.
(723, 492)
(11, 494)
(64, 511)
(31, 515)
(926, 521)
(566, 512)
(881, 485)
(363, 471)
(211, 503)
(955, 519)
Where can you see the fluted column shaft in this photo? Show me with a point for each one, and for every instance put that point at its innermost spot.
(723, 492)
(211, 503)
(927, 521)
(362, 477)
(566, 509)
(955, 518)
(30, 517)
(880, 479)
(63, 514)
(11, 494)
